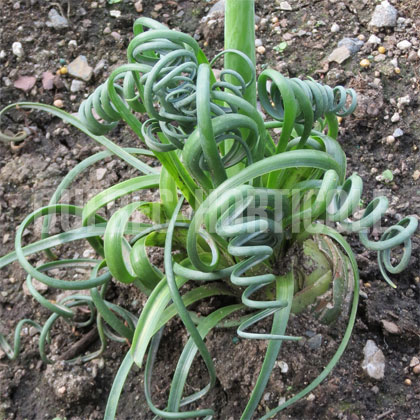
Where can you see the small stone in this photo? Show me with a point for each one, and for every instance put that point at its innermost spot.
(397, 70)
(390, 327)
(364, 63)
(335, 28)
(374, 360)
(158, 7)
(384, 15)
(416, 370)
(261, 50)
(404, 45)
(284, 5)
(414, 361)
(17, 49)
(94, 5)
(76, 86)
(339, 55)
(375, 389)
(38, 286)
(2, 55)
(315, 342)
(115, 13)
(99, 67)
(58, 103)
(398, 133)
(390, 140)
(416, 175)
(80, 68)
(63, 70)
(395, 117)
(116, 36)
(310, 397)
(380, 57)
(25, 83)
(72, 44)
(381, 50)
(138, 5)
(258, 42)
(62, 390)
(352, 44)
(407, 382)
(404, 100)
(412, 56)
(373, 39)
(57, 21)
(284, 367)
(107, 30)
(100, 173)
(47, 80)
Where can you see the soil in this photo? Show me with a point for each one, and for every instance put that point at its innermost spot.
(30, 172)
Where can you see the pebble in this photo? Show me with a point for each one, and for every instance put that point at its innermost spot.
(384, 15)
(99, 67)
(2, 54)
(416, 175)
(56, 20)
(284, 367)
(138, 5)
(407, 382)
(258, 42)
(58, 103)
(38, 286)
(364, 63)
(315, 342)
(339, 55)
(284, 5)
(63, 70)
(47, 80)
(381, 50)
(395, 117)
(115, 13)
(414, 361)
(404, 45)
(390, 140)
(72, 44)
(391, 327)
(380, 57)
(413, 56)
(17, 49)
(100, 173)
(352, 44)
(80, 68)
(373, 39)
(398, 133)
(374, 360)
(117, 36)
(310, 397)
(76, 86)
(25, 83)
(335, 28)
(403, 100)
(158, 7)
(261, 50)
(416, 370)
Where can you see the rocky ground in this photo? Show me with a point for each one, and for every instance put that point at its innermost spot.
(57, 53)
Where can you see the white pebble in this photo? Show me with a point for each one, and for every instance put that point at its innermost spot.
(258, 42)
(390, 140)
(2, 54)
(17, 49)
(115, 13)
(404, 45)
(261, 50)
(335, 28)
(373, 39)
(72, 43)
(395, 117)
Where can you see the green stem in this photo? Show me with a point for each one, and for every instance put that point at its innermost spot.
(240, 35)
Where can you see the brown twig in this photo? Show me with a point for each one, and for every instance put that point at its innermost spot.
(81, 345)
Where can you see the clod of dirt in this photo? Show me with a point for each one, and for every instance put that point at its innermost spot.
(71, 383)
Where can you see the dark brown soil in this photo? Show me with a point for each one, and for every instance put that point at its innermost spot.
(29, 175)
